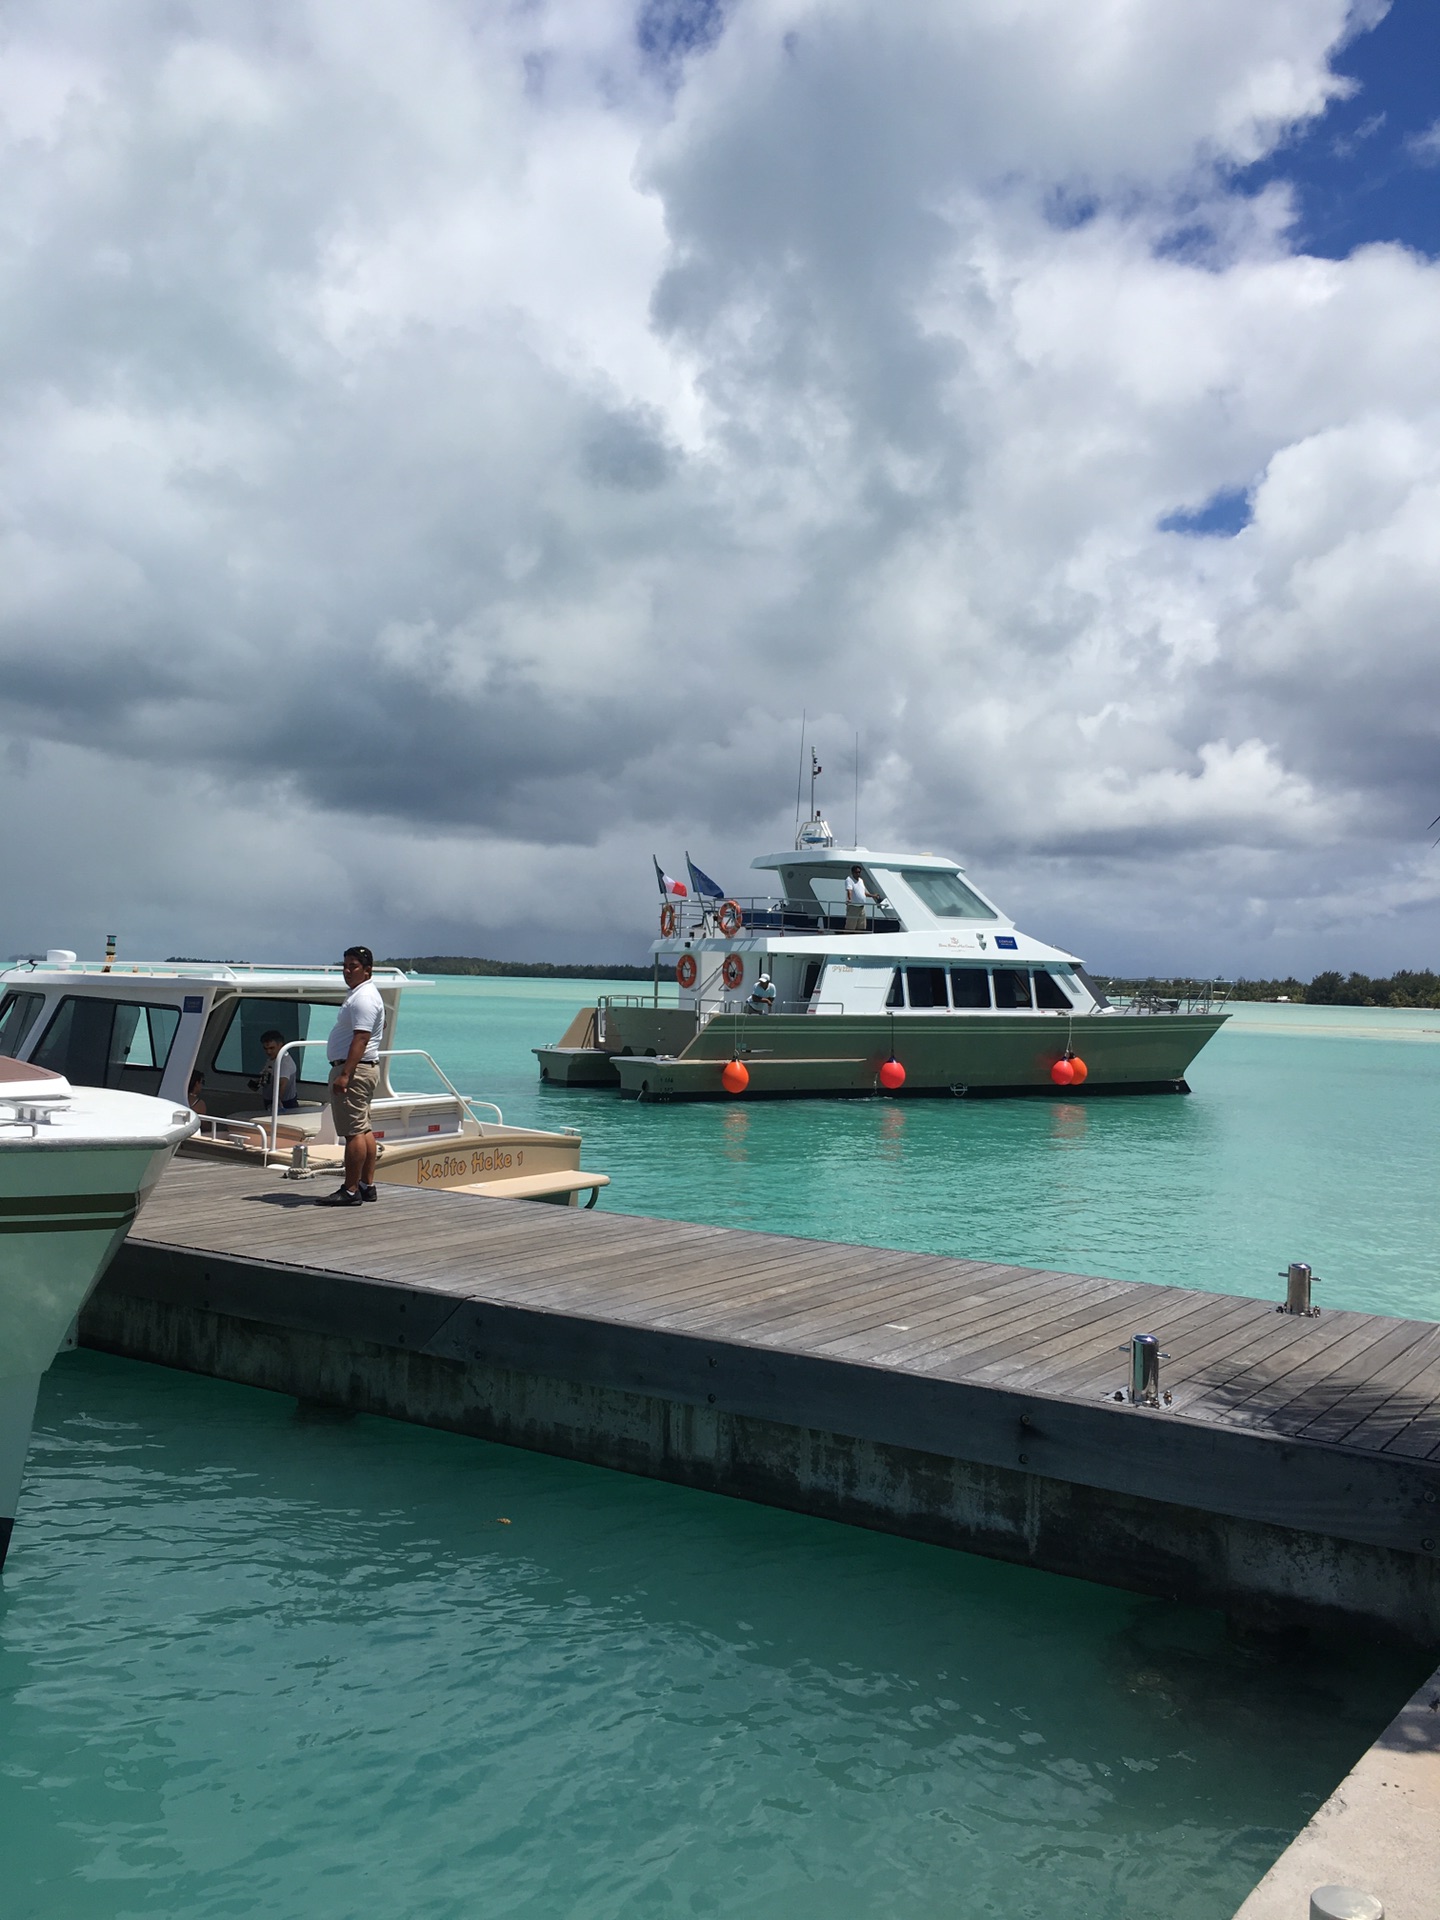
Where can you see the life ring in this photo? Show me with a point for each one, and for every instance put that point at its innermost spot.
(686, 971)
(730, 919)
(733, 971)
(668, 921)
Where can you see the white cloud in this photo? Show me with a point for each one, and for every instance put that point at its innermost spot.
(438, 435)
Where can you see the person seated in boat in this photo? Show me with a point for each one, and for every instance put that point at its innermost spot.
(856, 894)
(195, 1093)
(289, 1072)
(762, 996)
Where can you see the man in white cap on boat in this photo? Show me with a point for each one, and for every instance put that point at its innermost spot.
(354, 1052)
(762, 996)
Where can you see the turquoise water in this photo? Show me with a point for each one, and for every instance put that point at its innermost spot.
(253, 1664)
(256, 1664)
(1311, 1134)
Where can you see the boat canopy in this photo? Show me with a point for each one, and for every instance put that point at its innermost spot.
(925, 892)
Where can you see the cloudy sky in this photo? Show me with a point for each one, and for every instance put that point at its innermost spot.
(447, 444)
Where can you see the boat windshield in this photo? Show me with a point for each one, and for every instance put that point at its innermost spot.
(945, 894)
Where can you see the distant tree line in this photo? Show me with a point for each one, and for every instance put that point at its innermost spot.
(1332, 989)
(460, 963)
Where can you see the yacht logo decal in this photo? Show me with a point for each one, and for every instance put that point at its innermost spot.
(1006, 940)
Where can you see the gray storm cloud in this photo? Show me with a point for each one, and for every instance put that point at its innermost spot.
(446, 447)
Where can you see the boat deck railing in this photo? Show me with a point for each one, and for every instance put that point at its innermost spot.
(765, 914)
(264, 1135)
(1172, 996)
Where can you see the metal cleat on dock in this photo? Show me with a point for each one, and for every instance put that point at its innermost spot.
(1145, 1358)
(1298, 1281)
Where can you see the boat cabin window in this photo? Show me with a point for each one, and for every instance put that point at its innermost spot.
(896, 995)
(17, 1016)
(969, 987)
(1049, 992)
(926, 986)
(807, 991)
(945, 894)
(1012, 988)
(239, 1050)
(108, 1043)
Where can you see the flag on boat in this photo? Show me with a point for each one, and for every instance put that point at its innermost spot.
(705, 887)
(676, 888)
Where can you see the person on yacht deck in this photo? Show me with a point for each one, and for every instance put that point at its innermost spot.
(272, 1042)
(762, 996)
(856, 894)
(354, 1051)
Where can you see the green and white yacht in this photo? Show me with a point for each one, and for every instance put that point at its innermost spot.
(910, 982)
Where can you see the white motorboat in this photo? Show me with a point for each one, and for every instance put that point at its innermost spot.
(76, 1164)
(221, 1038)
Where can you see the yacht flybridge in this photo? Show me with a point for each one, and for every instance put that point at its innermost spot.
(195, 1034)
(76, 1163)
(889, 972)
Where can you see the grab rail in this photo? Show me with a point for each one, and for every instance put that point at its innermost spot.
(384, 1053)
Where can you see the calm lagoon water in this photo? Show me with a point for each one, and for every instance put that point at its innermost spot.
(256, 1664)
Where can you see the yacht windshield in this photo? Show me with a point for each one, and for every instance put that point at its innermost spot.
(945, 894)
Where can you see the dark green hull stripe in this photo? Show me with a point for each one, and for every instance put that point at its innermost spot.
(15, 1207)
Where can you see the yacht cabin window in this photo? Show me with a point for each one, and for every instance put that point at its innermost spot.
(17, 1016)
(945, 894)
(969, 988)
(926, 986)
(1050, 994)
(108, 1043)
(1012, 988)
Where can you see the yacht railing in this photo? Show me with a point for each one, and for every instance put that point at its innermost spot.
(1170, 996)
(699, 919)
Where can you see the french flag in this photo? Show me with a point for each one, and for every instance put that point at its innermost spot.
(677, 889)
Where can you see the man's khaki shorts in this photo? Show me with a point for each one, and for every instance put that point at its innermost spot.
(352, 1108)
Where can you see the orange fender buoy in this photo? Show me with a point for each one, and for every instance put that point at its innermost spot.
(686, 970)
(735, 1077)
(892, 1076)
(1078, 1069)
(733, 971)
(1063, 1072)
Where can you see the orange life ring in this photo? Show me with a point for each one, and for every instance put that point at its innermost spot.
(730, 919)
(733, 971)
(686, 971)
(668, 920)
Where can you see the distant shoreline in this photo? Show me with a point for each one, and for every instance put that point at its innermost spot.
(464, 966)
(1332, 989)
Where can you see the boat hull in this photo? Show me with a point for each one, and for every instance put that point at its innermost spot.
(64, 1211)
(790, 1056)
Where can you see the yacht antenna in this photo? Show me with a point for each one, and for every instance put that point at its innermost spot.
(856, 841)
(815, 772)
(800, 770)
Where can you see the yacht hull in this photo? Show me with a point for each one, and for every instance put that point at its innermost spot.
(790, 1056)
(64, 1211)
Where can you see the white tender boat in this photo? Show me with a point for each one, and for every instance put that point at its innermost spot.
(919, 984)
(76, 1164)
(195, 1033)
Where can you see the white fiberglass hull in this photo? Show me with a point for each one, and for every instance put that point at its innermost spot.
(70, 1186)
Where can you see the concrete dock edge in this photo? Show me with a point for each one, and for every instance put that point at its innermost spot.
(1379, 1832)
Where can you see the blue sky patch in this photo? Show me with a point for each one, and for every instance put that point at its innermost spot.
(1369, 168)
(1223, 515)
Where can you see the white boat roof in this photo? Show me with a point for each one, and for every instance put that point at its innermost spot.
(257, 978)
(856, 857)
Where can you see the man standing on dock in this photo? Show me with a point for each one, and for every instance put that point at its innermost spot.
(354, 1051)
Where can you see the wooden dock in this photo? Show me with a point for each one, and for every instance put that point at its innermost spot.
(1295, 1474)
